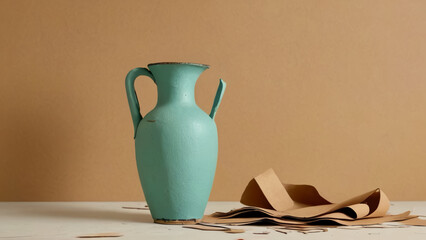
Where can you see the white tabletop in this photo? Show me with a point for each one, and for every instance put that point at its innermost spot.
(66, 220)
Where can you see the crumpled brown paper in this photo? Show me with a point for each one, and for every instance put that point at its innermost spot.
(270, 201)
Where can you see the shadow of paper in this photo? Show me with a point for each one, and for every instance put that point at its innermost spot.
(84, 213)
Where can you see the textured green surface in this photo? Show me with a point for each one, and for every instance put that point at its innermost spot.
(176, 143)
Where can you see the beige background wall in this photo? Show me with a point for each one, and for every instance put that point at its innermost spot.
(330, 93)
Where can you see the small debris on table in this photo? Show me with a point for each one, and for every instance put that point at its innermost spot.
(356, 227)
(313, 231)
(385, 226)
(235, 230)
(100, 235)
(282, 231)
(211, 227)
(301, 229)
(136, 208)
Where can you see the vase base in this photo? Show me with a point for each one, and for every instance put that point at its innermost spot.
(177, 221)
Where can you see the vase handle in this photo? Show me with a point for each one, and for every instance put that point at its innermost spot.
(131, 94)
(218, 98)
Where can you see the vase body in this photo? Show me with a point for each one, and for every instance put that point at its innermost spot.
(176, 147)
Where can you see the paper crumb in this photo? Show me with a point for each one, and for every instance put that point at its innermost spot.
(100, 235)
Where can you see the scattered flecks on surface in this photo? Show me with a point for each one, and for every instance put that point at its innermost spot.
(313, 231)
(263, 232)
(235, 230)
(282, 231)
(211, 227)
(136, 208)
(385, 226)
(304, 230)
(100, 235)
(206, 228)
(357, 227)
(299, 228)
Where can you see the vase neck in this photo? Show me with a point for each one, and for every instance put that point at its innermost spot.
(179, 91)
(176, 82)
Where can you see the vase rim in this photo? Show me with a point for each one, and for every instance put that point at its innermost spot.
(187, 63)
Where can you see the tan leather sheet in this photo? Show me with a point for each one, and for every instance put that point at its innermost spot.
(270, 201)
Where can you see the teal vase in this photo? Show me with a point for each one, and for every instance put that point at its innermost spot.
(176, 143)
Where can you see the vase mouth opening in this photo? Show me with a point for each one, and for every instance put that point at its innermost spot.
(184, 63)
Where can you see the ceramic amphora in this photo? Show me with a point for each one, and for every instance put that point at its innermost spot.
(176, 143)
